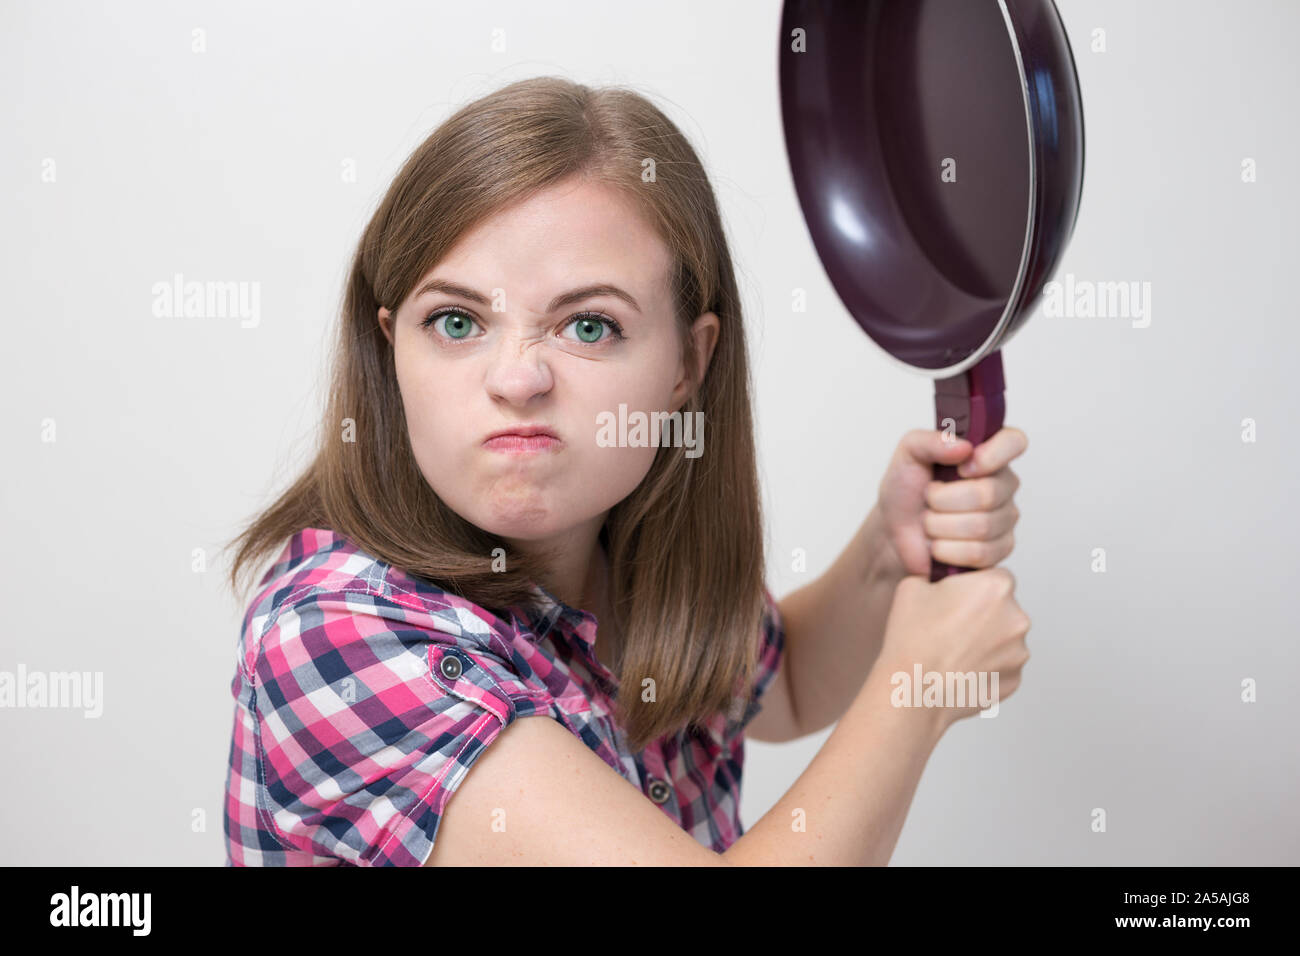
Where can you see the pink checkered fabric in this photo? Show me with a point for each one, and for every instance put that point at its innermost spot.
(363, 695)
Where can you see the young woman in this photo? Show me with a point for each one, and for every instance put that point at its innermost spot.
(486, 534)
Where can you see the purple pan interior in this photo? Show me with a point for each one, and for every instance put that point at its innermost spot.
(936, 148)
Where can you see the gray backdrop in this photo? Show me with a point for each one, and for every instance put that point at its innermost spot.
(129, 158)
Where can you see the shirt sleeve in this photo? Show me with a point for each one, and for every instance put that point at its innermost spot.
(367, 718)
(770, 654)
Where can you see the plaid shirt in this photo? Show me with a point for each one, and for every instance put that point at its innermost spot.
(363, 695)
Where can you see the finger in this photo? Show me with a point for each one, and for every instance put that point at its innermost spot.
(971, 525)
(1005, 446)
(973, 554)
(929, 446)
(972, 494)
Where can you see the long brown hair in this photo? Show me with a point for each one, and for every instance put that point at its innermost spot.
(686, 546)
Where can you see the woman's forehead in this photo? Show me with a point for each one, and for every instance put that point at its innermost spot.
(555, 242)
(589, 219)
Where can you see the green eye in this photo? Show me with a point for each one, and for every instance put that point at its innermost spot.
(589, 329)
(457, 326)
(591, 325)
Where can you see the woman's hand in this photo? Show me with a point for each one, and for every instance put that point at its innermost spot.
(967, 522)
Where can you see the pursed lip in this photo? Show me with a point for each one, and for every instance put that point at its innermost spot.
(524, 431)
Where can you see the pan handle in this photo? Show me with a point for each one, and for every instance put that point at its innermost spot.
(974, 403)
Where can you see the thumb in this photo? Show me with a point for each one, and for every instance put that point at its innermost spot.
(929, 446)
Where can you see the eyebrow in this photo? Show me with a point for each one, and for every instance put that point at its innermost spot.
(561, 300)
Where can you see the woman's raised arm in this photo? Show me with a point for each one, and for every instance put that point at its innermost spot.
(539, 797)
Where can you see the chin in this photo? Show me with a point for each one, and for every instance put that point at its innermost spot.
(528, 523)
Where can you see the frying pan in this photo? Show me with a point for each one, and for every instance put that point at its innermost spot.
(936, 148)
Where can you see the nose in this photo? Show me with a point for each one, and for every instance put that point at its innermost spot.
(518, 370)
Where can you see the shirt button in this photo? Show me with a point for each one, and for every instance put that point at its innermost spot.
(450, 667)
(659, 791)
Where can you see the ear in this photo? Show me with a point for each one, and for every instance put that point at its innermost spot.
(386, 323)
(704, 332)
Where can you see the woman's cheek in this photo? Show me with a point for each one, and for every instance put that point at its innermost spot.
(619, 469)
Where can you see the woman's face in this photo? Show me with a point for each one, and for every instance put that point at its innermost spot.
(509, 348)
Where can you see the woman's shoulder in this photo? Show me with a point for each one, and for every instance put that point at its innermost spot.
(323, 576)
(366, 695)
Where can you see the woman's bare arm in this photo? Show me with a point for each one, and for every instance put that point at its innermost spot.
(537, 796)
(834, 626)
(847, 808)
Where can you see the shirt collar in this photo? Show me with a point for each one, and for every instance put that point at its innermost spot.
(547, 612)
